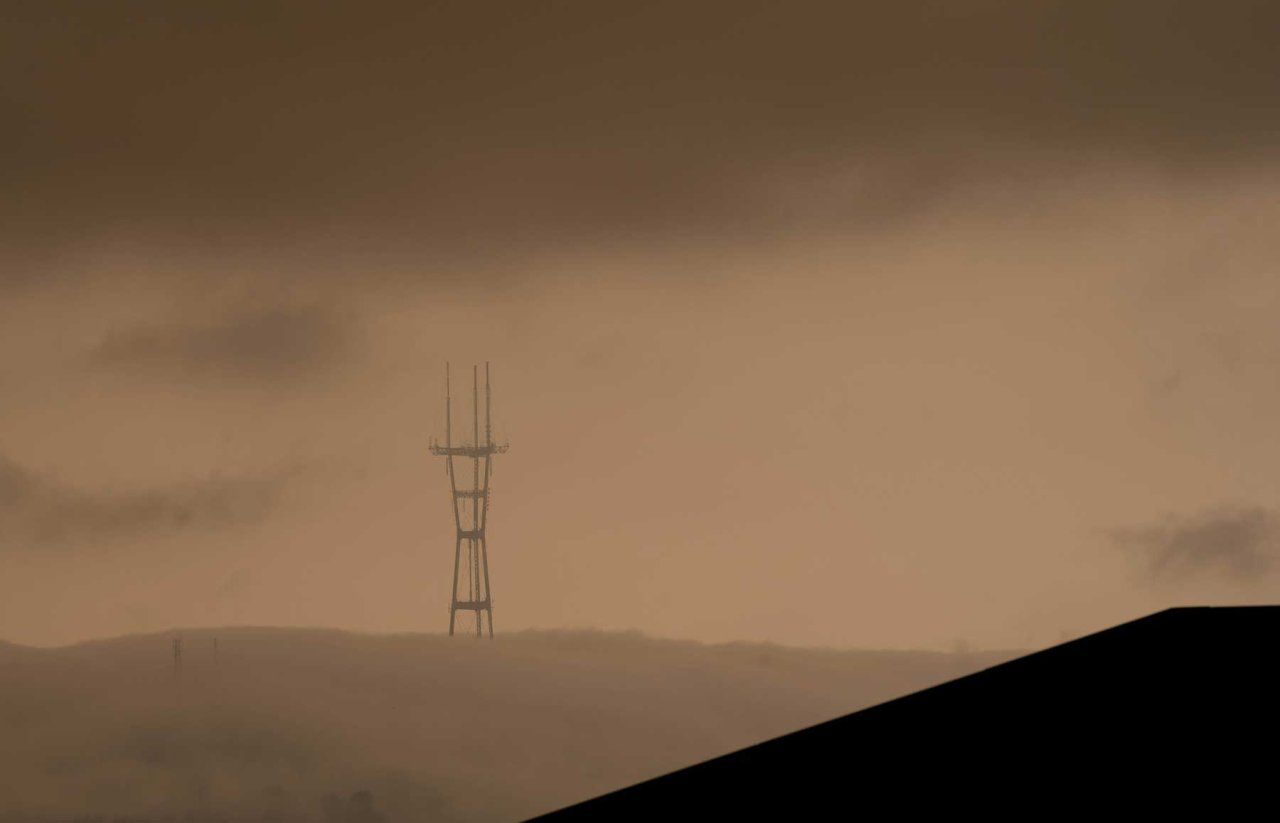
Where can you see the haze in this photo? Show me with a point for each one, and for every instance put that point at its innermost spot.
(915, 325)
(280, 725)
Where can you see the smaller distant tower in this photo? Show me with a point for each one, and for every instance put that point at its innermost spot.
(177, 655)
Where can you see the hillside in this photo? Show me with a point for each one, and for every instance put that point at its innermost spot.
(434, 728)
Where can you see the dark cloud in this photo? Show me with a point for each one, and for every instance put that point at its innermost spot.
(1170, 384)
(16, 483)
(273, 344)
(37, 512)
(450, 126)
(1241, 543)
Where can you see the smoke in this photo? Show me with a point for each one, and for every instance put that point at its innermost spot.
(844, 257)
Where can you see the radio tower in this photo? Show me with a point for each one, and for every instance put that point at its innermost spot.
(474, 596)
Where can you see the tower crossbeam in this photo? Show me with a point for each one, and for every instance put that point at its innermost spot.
(468, 451)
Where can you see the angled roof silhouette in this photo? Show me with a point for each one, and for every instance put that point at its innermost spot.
(1176, 711)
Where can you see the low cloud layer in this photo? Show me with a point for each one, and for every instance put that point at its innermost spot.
(1241, 544)
(271, 344)
(459, 126)
(38, 512)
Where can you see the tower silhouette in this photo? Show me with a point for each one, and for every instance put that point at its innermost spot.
(470, 526)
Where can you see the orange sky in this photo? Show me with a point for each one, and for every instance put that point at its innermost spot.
(831, 324)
